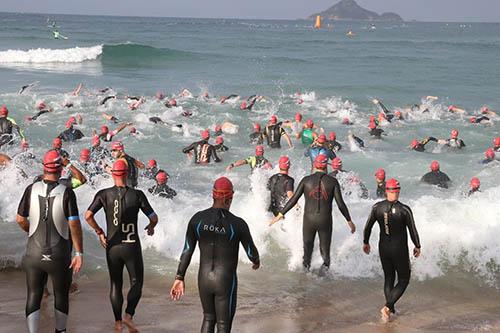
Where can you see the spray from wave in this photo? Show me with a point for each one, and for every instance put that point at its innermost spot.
(44, 56)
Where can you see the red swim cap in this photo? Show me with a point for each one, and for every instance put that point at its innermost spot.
(57, 143)
(152, 164)
(337, 163)
(120, 168)
(117, 145)
(451, 107)
(219, 140)
(52, 162)
(69, 124)
(256, 127)
(490, 153)
(472, 120)
(346, 121)
(321, 138)
(4, 111)
(161, 177)
(133, 130)
(223, 189)
(96, 141)
(160, 95)
(284, 163)
(172, 102)
(414, 143)
(273, 120)
(218, 128)
(309, 123)
(397, 113)
(298, 116)
(372, 125)
(484, 109)
(332, 136)
(454, 133)
(104, 129)
(380, 174)
(243, 105)
(435, 166)
(205, 135)
(259, 150)
(475, 183)
(85, 155)
(496, 142)
(372, 119)
(392, 186)
(40, 106)
(321, 162)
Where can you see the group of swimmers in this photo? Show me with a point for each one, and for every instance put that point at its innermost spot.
(48, 213)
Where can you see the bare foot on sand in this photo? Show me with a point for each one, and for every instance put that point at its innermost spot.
(118, 326)
(386, 314)
(130, 324)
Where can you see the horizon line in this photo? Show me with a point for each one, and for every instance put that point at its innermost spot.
(238, 18)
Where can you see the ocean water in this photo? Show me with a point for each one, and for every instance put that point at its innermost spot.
(337, 76)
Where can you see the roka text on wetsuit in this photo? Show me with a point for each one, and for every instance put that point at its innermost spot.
(393, 219)
(319, 190)
(122, 205)
(218, 233)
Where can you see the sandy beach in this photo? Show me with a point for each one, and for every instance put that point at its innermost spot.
(309, 304)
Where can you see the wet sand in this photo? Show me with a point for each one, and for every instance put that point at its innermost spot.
(290, 302)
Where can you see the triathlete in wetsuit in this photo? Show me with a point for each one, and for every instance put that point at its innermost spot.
(380, 179)
(336, 167)
(203, 151)
(7, 124)
(393, 218)
(257, 137)
(475, 184)
(219, 144)
(318, 147)
(332, 142)
(161, 188)
(436, 177)
(496, 145)
(489, 156)
(273, 133)
(319, 191)
(255, 162)
(218, 233)
(281, 186)
(245, 106)
(107, 98)
(98, 153)
(123, 248)
(151, 170)
(453, 141)
(118, 152)
(71, 134)
(308, 135)
(420, 145)
(48, 212)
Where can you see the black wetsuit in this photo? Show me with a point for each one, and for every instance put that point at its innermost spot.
(358, 141)
(156, 120)
(71, 134)
(39, 113)
(479, 119)
(472, 191)
(319, 190)
(436, 178)
(218, 233)
(221, 148)
(380, 192)
(273, 135)
(163, 191)
(257, 138)
(6, 127)
(334, 173)
(376, 132)
(203, 152)
(279, 185)
(133, 171)
(49, 207)
(107, 98)
(334, 146)
(121, 206)
(393, 219)
(420, 147)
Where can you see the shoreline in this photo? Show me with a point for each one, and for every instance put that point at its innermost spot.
(292, 303)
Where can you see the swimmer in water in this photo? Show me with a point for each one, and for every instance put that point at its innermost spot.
(255, 162)
(257, 137)
(161, 188)
(436, 176)
(273, 133)
(42, 109)
(453, 141)
(281, 186)
(203, 151)
(380, 179)
(219, 144)
(7, 125)
(475, 185)
(489, 156)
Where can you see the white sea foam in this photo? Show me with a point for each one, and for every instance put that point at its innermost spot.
(45, 56)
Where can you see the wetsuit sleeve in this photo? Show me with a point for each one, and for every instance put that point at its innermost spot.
(24, 206)
(79, 134)
(189, 148)
(248, 244)
(97, 204)
(337, 194)
(295, 198)
(410, 223)
(145, 206)
(187, 253)
(369, 225)
(71, 207)
(289, 185)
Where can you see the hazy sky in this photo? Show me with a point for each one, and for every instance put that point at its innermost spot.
(422, 10)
